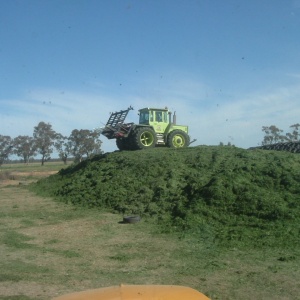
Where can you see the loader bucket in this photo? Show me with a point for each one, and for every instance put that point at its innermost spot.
(137, 292)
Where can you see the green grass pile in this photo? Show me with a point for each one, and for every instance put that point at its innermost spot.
(226, 194)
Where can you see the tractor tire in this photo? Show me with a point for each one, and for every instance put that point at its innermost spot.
(124, 143)
(178, 139)
(121, 144)
(131, 219)
(144, 138)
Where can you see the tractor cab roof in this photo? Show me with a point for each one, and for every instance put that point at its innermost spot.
(154, 109)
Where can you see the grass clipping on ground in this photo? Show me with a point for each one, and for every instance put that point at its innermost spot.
(221, 193)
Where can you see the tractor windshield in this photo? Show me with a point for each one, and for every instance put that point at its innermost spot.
(144, 117)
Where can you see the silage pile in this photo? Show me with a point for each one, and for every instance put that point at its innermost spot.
(225, 193)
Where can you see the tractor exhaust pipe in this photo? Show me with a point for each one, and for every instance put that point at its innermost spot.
(174, 118)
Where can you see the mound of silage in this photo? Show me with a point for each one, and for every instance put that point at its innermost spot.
(226, 192)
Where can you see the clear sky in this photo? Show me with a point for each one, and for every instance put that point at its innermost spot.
(227, 67)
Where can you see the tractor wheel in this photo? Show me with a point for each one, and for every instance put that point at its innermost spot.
(144, 138)
(123, 144)
(178, 139)
(120, 144)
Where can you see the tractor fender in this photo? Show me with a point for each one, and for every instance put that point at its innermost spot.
(136, 126)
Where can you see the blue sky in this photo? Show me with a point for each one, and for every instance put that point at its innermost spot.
(227, 67)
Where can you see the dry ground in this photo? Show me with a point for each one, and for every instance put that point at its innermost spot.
(49, 248)
(15, 178)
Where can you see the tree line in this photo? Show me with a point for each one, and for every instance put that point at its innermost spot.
(84, 142)
(81, 143)
(275, 135)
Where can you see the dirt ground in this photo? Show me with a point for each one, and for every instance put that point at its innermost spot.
(49, 249)
(16, 178)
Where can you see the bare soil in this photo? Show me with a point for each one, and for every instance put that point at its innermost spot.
(16, 178)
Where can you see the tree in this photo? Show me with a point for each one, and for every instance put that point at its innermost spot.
(63, 147)
(84, 142)
(6, 146)
(44, 138)
(272, 135)
(294, 135)
(24, 147)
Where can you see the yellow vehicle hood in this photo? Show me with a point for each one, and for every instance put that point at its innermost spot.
(137, 292)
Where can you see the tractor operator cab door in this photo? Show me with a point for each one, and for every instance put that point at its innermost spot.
(160, 121)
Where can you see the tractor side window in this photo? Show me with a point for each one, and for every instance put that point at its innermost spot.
(165, 117)
(151, 117)
(158, 116)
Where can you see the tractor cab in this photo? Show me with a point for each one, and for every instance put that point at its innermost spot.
(156, 117)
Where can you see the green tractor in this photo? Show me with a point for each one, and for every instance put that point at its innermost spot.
(156, 128)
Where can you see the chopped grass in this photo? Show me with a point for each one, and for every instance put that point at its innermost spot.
(232, 195)
(222, 220)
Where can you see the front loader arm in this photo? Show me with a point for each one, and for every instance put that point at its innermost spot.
(115, 125)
